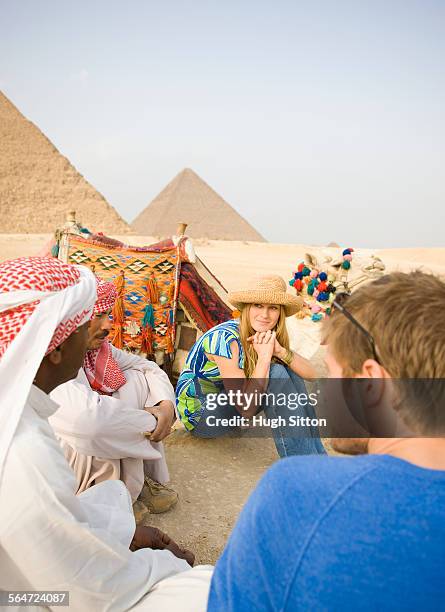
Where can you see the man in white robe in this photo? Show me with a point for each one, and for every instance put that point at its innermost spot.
(108, 411)
(51, 539)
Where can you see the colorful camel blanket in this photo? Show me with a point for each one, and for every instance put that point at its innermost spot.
(201, 302)
(147, 283)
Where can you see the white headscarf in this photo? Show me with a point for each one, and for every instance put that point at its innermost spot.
(51, 321)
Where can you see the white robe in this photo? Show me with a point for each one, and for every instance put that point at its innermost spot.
(102, 436)
(51, 539)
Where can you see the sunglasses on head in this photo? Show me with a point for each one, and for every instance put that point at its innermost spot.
(338, 304)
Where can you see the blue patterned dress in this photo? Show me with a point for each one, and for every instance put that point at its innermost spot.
(200, 375)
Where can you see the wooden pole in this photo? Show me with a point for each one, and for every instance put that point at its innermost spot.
(181, 229)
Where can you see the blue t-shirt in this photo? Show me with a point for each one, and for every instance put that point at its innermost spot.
(337, 533)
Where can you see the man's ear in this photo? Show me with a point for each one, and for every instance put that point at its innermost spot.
(372, 369)
(55, 357)
(372, 386)
(377, 397)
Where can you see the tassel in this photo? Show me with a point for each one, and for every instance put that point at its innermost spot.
(55, 250)
(149, 318)
(118, 313)
(152, 290)
(170, 331)
(147, 341)
(169, 342)
(148, 323)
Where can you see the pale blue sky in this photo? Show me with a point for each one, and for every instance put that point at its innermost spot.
(318, 121)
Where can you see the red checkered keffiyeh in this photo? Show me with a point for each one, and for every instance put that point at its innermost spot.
(101, 369)
(106, 296)
(42, 302)
(35, 274)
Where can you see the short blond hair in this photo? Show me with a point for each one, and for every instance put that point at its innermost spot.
(405, 314)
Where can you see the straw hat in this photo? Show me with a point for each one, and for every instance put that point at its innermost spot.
(270, 289)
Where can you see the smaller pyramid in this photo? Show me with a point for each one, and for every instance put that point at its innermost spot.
(189, 199)
(39, 186)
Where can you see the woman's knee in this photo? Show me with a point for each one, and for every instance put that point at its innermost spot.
(278, 370)
(281, 378)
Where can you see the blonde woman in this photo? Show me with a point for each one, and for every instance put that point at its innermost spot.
(255, 348)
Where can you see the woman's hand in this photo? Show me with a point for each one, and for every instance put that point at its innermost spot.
(164, 413)
(264, 344)
(278, 350)
(150, 537)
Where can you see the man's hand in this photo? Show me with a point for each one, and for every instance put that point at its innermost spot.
(164, 413)
(150, 537)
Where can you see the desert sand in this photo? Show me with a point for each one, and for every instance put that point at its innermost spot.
(247, 258)
(214, 478)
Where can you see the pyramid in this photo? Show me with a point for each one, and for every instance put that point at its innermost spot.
(38, 186)
(187, 198)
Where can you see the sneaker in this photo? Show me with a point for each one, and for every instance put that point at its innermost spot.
(157, 497)
(140, 511)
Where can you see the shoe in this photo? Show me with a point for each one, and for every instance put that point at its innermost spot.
(140, 511)
(157, 497)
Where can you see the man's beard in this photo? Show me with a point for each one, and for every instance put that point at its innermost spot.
(350, 446)
(96, 342)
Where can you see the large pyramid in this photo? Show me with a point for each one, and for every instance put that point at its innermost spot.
(187, 198)
(38, 186)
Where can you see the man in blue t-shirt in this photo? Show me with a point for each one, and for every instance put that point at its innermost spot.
(366, 532)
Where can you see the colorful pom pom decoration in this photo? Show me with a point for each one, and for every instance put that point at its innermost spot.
(318, 287)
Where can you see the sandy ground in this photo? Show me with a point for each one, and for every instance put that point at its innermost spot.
(214, 478)
(247, 258)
